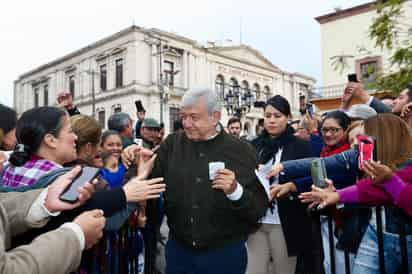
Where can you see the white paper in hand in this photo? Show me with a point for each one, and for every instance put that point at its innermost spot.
(262, 173)
(213, 169)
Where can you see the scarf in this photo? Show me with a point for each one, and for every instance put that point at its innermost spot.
(335, 149)
(267, 146)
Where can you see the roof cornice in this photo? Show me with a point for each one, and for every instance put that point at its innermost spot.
(346, 13)
(81, 51)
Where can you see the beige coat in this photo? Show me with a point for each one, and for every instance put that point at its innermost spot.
(57, 251)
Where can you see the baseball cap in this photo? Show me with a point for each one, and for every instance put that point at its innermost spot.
(151, 123)
(361, 111)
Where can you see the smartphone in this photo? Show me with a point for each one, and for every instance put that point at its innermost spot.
(138, 142)
(87, 174)
(353, 77)
(318, 172)
(367, 149)
(139, 106)
(309, 108)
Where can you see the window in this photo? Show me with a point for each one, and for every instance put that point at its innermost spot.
(119, 73)
(367, 70)
(101, 116)
(234, 86)
(103, 77)
(173, 116)
(245, 86)
(169, 73)
(220, 86)
(256, 91)
(266, 91)
(72, 85)
(46, 95)
(36, 97)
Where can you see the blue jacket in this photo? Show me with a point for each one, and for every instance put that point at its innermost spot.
(378, 106)
(341, 168)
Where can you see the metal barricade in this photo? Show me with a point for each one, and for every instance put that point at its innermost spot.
(403, 245)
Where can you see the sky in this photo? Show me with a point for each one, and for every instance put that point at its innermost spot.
(36, 32)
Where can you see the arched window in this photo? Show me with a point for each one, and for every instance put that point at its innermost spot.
(266, 91)
(234, 85)
(220, 86)
(256, 91)
(245, 86)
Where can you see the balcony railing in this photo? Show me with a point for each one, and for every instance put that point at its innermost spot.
(329, 92)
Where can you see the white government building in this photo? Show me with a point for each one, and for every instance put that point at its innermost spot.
(347, 47)
(156, 67)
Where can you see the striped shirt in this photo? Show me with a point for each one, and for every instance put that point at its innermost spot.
(29, 173)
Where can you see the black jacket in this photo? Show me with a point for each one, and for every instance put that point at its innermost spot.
(295, 221)
(200, 217)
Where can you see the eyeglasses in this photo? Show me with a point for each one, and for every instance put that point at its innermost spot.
(332, 130)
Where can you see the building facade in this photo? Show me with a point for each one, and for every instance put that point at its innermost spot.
(156, 67)
(347, 47)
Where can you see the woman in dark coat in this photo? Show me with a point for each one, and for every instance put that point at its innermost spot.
(286, 230)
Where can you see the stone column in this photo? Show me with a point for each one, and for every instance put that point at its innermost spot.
(184, 69)
(154, 64)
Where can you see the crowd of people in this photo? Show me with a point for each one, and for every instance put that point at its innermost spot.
(207, 199)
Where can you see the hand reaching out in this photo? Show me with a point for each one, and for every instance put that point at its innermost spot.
(92, 224)
(276, 169)
(281, 190)
(53, 202)
(321, 197)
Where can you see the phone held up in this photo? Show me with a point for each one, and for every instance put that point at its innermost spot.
(367, 149)
(318, 172)
(87, 174)
(353, 78)
(309, 108)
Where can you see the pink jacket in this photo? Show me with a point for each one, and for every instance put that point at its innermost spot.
(397, 191)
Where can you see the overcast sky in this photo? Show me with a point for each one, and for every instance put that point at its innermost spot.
(35, 32)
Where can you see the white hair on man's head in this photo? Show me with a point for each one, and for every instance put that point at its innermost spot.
(193, 96)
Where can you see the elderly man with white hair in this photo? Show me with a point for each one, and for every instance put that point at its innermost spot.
(213, 199)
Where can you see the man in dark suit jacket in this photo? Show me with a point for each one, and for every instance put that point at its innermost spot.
(354, 90)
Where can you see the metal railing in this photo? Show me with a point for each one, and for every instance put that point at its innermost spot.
(332, 91)
(404, 267)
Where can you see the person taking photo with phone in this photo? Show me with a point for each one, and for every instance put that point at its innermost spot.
(380, 187)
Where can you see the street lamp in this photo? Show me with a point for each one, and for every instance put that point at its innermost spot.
(162, 48)
(92, 72)
(238, 102)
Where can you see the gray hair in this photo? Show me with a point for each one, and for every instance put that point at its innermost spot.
(118, 121)
(194, 95)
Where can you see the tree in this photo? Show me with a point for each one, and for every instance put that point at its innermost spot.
(390, 31)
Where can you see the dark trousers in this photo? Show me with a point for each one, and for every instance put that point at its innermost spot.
(231, 259)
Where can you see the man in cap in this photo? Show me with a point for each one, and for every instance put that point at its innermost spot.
(149, 132)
